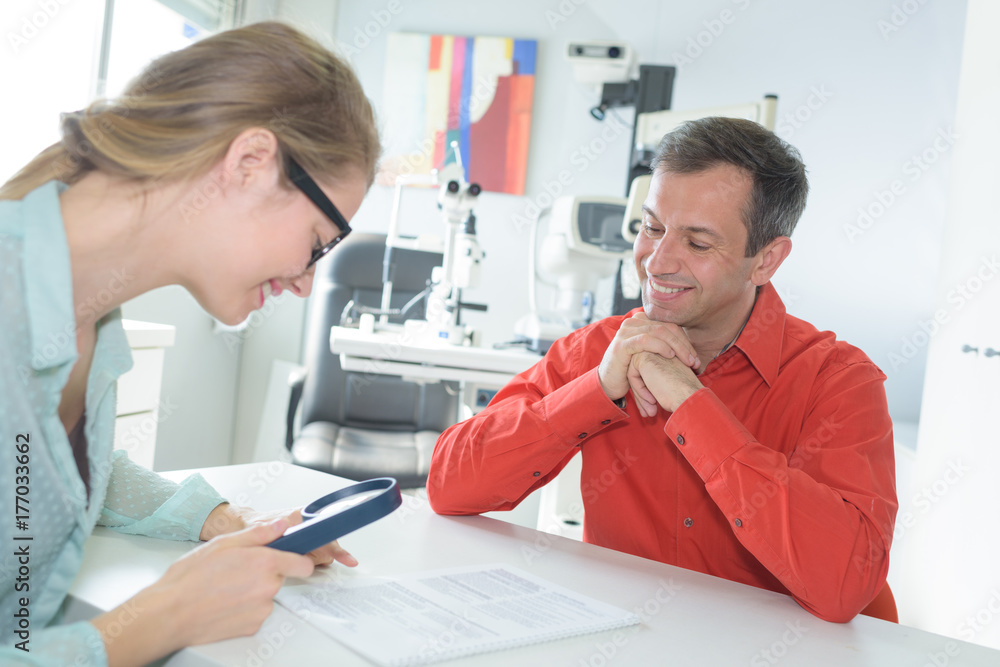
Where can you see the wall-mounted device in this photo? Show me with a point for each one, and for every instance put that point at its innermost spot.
(597, 63)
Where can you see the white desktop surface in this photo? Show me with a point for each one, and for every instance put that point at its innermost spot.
(689, 618)
(394, 352)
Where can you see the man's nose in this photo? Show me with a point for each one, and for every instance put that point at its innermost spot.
(665, 257)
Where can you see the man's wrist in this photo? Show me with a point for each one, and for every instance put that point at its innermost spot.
(685, 393)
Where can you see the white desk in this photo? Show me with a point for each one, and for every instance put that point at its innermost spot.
(481, 372)
(395, 353)
(689, 618)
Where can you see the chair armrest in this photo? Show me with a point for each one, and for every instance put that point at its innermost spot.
(297, 381)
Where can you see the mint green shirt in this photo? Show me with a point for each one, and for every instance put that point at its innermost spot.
(37, 352)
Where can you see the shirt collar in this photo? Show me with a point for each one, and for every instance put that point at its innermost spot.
(47, 279)
(762, 336)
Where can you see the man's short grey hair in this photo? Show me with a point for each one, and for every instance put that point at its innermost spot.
(780, 186)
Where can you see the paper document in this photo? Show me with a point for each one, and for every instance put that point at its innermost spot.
(426, 617)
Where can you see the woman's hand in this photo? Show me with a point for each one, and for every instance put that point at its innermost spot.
(228, 518)
(222, 589)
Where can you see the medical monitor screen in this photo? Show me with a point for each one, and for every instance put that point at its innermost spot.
(601, 225)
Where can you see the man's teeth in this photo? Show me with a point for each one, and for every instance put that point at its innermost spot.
(267, 289)
(667, 290)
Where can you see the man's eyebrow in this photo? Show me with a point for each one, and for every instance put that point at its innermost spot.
(685, 228)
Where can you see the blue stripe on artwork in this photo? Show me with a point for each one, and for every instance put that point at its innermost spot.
(524, 55)
(466, 101)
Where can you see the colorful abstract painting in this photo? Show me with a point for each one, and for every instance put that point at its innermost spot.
(476, 91)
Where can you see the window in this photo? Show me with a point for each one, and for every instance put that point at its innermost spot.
(60, 55)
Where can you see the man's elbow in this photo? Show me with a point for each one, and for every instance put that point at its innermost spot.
(843, 608)
(446, 496)
(442, 502)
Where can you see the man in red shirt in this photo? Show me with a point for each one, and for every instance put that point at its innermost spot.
(717, 432)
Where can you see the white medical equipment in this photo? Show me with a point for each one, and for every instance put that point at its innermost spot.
(584, 245)
(461, 256)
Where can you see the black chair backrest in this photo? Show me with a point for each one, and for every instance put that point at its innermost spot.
(353, 270)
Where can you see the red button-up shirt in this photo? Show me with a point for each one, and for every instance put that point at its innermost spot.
(779, 473)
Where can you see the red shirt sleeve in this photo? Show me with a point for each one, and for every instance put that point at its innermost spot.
(821, 518)
(530, 430)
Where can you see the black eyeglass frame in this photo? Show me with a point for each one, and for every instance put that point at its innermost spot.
(298, 176)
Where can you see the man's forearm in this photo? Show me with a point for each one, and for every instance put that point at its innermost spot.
(494, 460)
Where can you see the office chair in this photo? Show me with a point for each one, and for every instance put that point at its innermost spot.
(355, 424)
(883, 606)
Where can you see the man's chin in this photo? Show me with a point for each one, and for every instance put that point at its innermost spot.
(658, 313)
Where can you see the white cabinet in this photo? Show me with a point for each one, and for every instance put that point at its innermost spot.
(139, 407)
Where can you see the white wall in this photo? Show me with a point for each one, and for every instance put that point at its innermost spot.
(947, 544)
(859, 100)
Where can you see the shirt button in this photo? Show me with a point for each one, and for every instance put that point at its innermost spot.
(582, 436)
(688, 522)
(536, 474)
(680, 440)
(605, 422)
(738, 523)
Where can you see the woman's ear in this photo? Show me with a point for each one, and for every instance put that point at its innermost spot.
(252, 154)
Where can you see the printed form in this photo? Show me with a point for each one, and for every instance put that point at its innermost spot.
(426, 617)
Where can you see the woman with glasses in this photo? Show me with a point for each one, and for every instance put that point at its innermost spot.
(229, 167)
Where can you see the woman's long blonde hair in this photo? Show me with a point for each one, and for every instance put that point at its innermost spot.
(177, 119)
